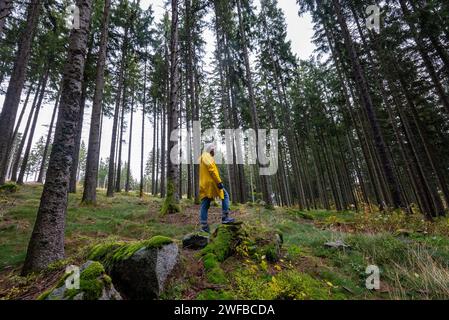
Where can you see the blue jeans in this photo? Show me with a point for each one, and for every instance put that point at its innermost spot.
(205, 204)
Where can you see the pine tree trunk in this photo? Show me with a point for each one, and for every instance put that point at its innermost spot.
(47, 240)
(20, 179)
(164, 111)
(163, 159)
(76, 151)
(190, 89)
(93, 150)
(12, 156)
(196, 167)
(5, 10)
(111, 171)
(157, 160)
(75, 163)
(16, 82)
(18, 154)
(142, 141)
(224, 89)
(128, 168)
(172, 198)
(22, 113)
(266, 188)
(118, 179)
(153, 155)
(365, 98)
(40, 178)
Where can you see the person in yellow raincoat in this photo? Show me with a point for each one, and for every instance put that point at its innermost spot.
(211, 186)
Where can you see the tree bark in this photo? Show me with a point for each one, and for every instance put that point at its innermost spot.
(93, 150)
(40, 178)
(110, 189)
(19, 121)
(172, 198)
(365, 98)
(16, 82)
(118, 178)
(20, 179)
(18, 153)
(128, 168)
(153, 154)
(5, 11)
(142, 141)
(266, 188)
(47, 240)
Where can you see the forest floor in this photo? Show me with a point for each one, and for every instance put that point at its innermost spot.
(412, 254)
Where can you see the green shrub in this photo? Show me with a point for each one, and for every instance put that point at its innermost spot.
(9, 187)
(286, 285)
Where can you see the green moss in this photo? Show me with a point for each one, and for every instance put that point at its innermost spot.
(286, 285)
(271, 252)
(220, 248)
(111, 252)
(9, 187)
(210, 261)
(157, 242)
(294, 251)
(45, 294)
(91, 282)
(57, 265)
(216, 275)
(107, 280)
(221, 244)
(301, 214)
(61, 281)
(102, 250)
(292, 285)
(170, 204)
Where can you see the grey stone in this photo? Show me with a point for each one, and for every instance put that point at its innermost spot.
(195, 241)
(143, 275)
(338, 244)
(108, 291)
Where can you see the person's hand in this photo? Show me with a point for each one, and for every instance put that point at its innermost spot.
(220, 186)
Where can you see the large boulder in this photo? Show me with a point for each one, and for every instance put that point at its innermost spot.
(94, 284)
(139, 270)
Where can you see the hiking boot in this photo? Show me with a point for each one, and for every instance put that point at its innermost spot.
(226, 220)
(205, 228)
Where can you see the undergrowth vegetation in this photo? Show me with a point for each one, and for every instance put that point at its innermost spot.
(274, 254)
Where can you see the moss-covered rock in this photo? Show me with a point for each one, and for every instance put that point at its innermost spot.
(112, 252)
(139, 269)
(94, 284)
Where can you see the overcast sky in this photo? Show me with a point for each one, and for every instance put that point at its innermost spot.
(300, 32)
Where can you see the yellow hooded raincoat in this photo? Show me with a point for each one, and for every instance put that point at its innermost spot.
(209, 178)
